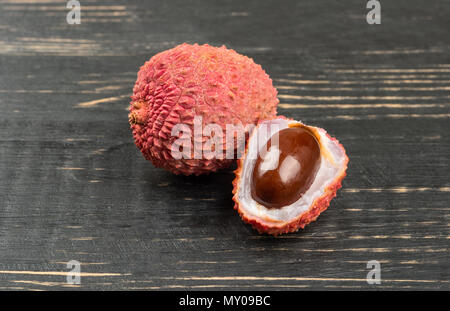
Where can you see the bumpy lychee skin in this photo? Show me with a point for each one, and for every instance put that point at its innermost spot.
(217, 84)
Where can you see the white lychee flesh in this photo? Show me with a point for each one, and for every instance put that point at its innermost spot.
(333, 164)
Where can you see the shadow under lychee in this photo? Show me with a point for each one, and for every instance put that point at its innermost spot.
(196, 204)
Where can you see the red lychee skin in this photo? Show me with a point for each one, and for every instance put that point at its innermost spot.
(218, 84)
(319, 205)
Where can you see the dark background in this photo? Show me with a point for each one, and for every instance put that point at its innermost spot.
(74, 187)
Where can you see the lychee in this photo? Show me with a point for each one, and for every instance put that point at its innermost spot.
(196, 82)
(288, 175)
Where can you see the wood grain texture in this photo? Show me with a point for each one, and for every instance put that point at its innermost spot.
(74, 187)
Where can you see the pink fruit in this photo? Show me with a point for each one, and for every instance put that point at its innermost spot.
(307, 205)
(217, 84)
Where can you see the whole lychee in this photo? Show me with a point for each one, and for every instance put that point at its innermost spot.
(196, 82)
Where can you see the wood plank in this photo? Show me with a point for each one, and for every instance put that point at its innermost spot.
(74, 187)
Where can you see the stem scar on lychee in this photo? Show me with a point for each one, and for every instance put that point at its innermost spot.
(137, 116)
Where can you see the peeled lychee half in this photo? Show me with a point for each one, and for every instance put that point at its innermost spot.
(289, 174)
(196, 82)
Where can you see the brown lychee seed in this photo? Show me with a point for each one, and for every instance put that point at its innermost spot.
(288, 175)
(287, 167)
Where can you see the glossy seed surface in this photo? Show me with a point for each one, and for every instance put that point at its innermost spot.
(285, 168)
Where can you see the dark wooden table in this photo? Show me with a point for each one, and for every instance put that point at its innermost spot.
(74, 187)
